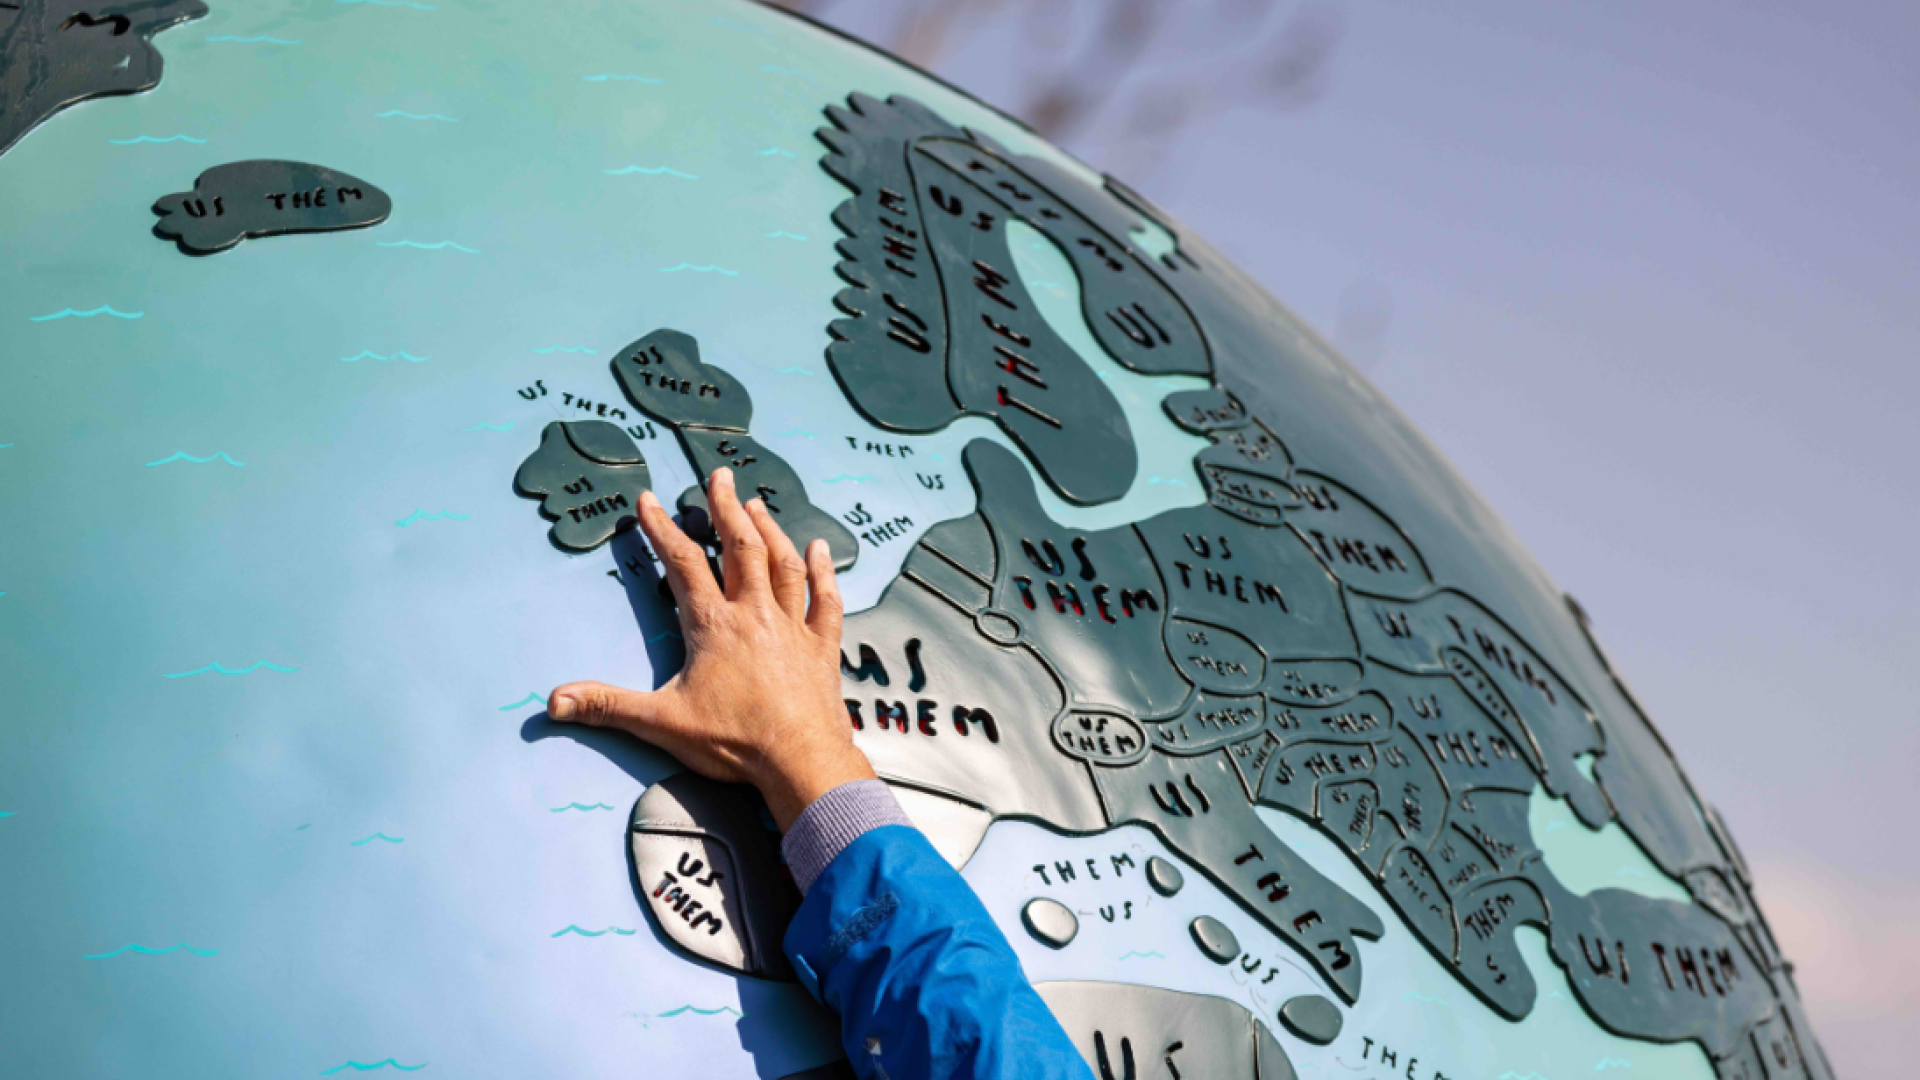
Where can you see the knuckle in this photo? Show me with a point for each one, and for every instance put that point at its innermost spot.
(596, 703)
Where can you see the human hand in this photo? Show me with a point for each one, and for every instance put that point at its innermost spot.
(759, 698)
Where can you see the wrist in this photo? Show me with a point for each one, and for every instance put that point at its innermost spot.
(834, 822)
(791, 783)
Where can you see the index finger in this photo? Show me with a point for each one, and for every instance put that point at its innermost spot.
(683, 560)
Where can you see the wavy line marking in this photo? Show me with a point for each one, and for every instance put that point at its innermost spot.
(508, 426)
(658, 170)
(390, 3)
(388, 1063)
(417, 244)
(623, 932)
(523, 703)
(1155, 481)
(136, 140)
(700, 269)
(103, 309)
(1144, 955)
(775, 69)
(182, 455)
(421, 515)
(846, 478)
(583, 807)
(255, 40)
(5, 446)
(701, 1011)
(779, 233)
(378, 836)
(8, 813)
(145, 951)
(222, 669)
(405, 115)
(1612, 1063)
(661, 636)
(368, 354)
(622, 78)
(564, 348)
(773, 151)
(794, 371)
(801, 432)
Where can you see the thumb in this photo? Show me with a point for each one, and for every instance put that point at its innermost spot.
(599, 705)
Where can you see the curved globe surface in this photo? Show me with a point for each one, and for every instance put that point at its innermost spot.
(333, 366)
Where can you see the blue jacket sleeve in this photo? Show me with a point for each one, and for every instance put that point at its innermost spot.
(894, 940)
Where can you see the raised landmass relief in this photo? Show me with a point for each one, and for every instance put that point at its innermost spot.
(230, 203)
(1284, 644)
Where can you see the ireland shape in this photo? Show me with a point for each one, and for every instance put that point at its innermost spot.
(588, 477)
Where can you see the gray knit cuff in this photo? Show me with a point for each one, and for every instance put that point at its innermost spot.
(831, 822)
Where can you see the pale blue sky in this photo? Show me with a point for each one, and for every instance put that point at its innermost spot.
(1653, 275)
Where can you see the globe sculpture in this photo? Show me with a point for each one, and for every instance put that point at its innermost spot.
(342, 336)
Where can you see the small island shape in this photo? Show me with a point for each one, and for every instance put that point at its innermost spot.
(232, 202)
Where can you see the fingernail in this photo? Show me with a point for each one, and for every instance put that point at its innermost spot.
(723, 473)
(562, 707)
(647, 499)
